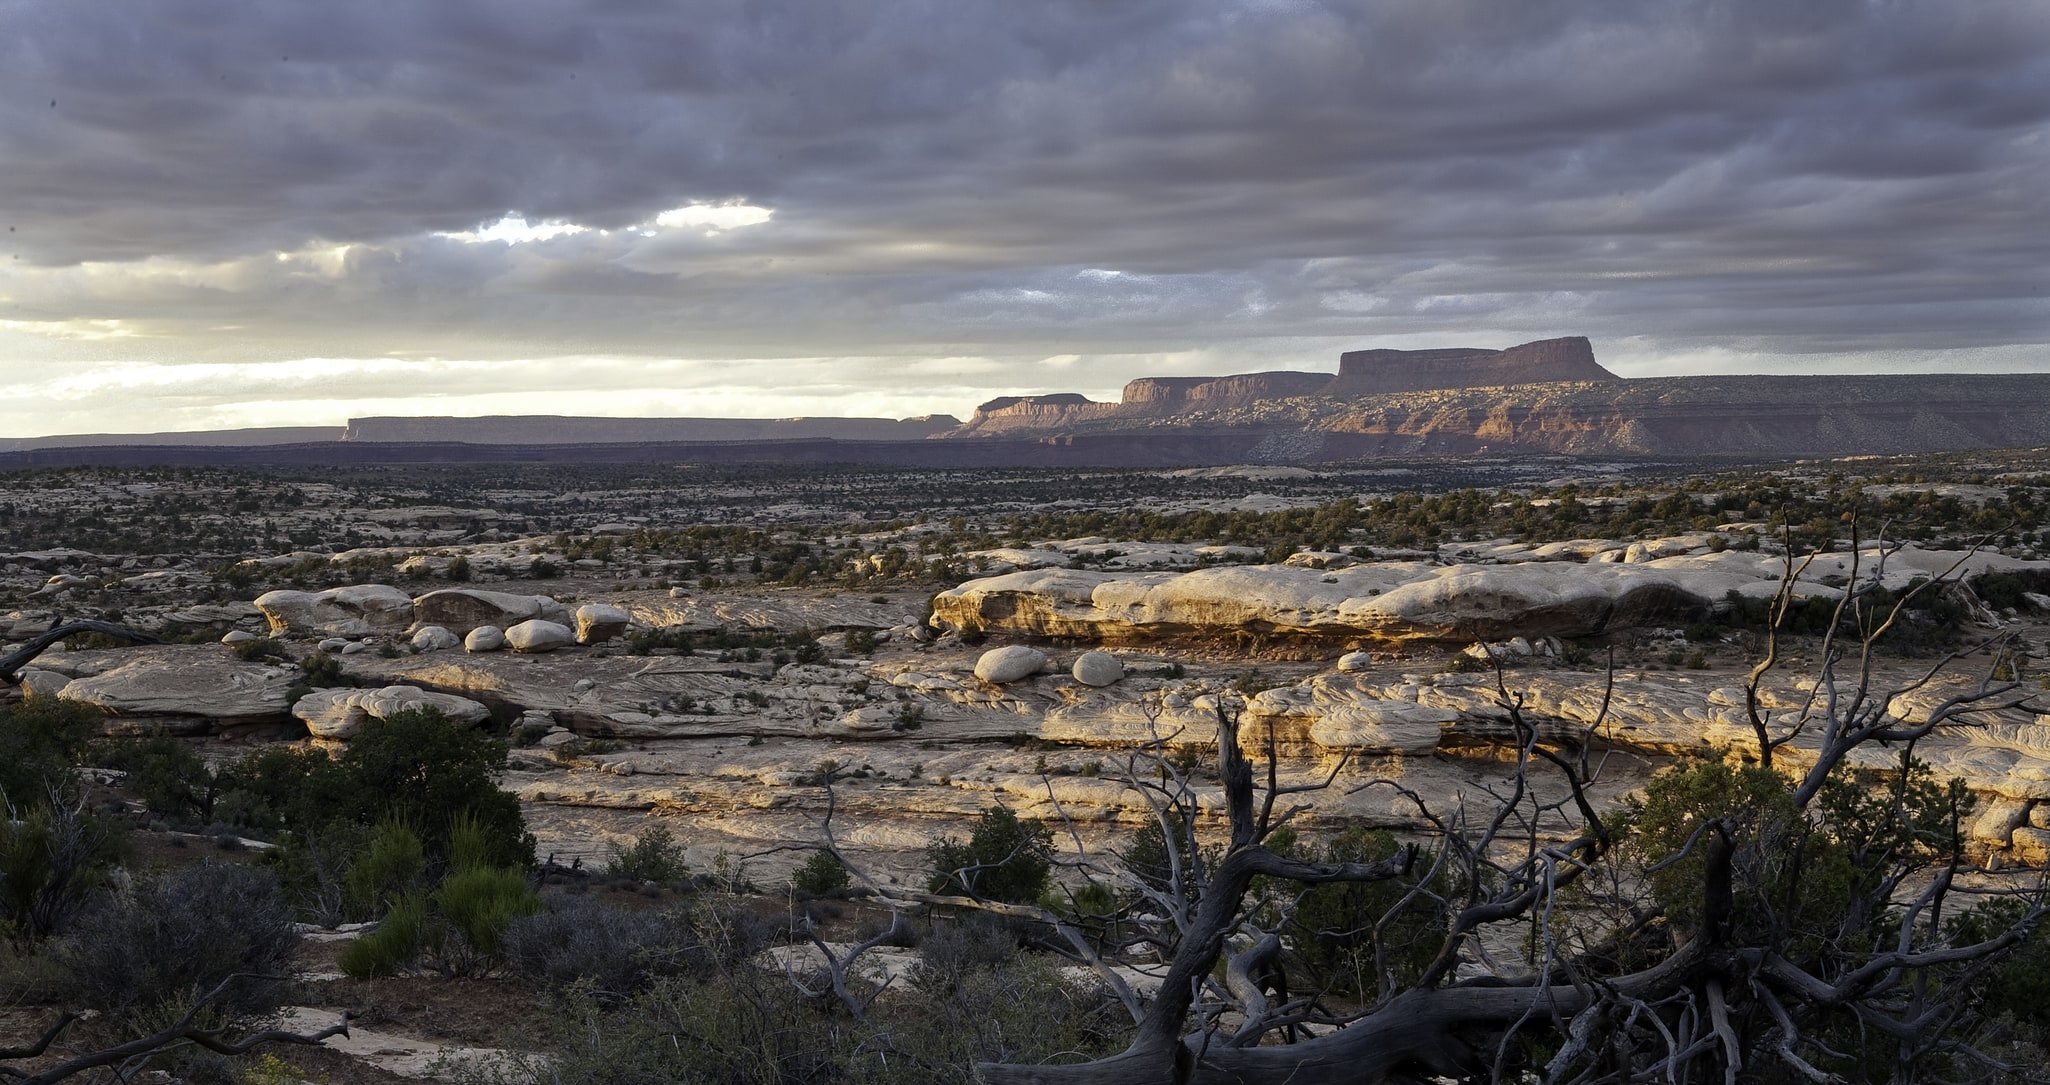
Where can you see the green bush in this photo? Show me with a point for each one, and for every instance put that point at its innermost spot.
(458, 928)
(417, 768)
(393, 865)
(1344, 934)
(654, 856)
(392, 947)
(40, 740)
(1006, 858)
(166, 774)
(822, 874)
(260, 649)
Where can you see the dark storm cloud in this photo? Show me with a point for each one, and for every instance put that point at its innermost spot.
(964, 177)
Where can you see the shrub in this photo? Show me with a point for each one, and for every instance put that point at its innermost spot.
(577, 938)
(478, 904)
(52, 857)
(176, 937)
(40, 739)
(417, 768)
(166, 774)
(458, 929)
(1006, 858)
(262, 648)
(393, 946)
(392, 865)
(654, 856)
(820, 875)
(322, 670)
(1338, 928)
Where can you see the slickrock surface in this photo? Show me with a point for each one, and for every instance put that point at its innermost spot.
(1527, 591)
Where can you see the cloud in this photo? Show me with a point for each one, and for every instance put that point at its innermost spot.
(527, 180)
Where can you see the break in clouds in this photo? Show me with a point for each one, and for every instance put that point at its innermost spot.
(275, 213)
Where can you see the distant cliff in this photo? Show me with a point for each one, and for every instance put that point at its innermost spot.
(1549, 396)
(1547, 361)
(545, 429)
(1360, 373)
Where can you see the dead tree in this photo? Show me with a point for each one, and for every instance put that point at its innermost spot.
(130, 1057)
(12, 663)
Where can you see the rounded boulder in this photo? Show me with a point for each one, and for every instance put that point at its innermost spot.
(1098, 669)
(484, 638)
(1009, 664)
(536, 635)
(433, 638)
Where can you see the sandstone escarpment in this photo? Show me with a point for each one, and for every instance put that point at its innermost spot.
(1547, 361)
(562, 429)
(1523, 594)
(1170, 394)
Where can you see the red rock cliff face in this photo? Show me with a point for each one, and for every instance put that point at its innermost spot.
(1547, 361)
(1008, 413)
(1160, 395)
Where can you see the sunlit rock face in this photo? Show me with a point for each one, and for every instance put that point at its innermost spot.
(357, 610)
(1520, 591)
(1395, 602)
(180, 689)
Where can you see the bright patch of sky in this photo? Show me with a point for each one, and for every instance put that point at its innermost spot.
(514, 230)
(710, 218)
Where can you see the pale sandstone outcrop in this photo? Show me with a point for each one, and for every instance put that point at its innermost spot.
(184, 691)
(460, 610)
(340, 713)
(357, 610)
(1403, 600)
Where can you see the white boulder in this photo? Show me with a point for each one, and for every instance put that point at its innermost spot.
(340, 713)
(485, 638)
(537, 635)
(433, 638)
(598, 622)
(357, 610)
(1009, 664)
(1355, 661)
(237, 636)
(1098, 668)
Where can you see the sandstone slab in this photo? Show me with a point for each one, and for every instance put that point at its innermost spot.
(341, 713)
(357, 610)
(185, 691)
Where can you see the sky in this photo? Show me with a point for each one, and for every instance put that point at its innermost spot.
(278, 212)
